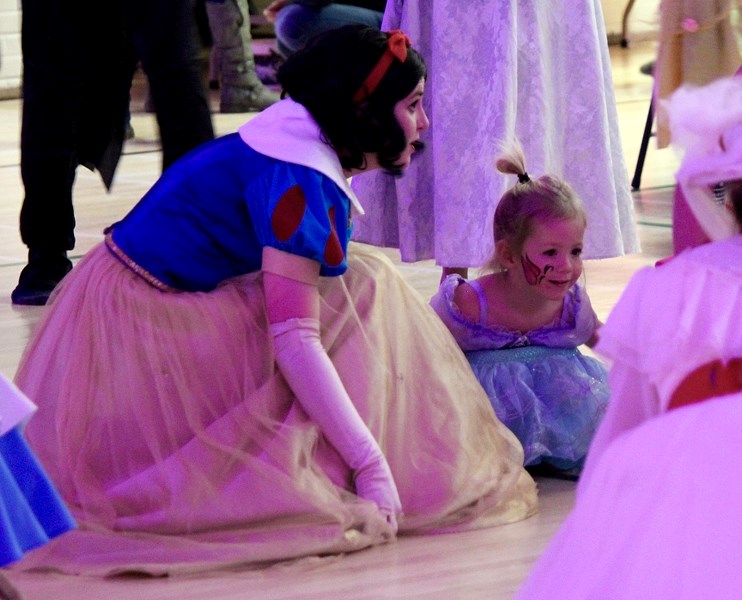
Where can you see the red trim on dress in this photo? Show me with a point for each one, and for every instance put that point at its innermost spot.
(333, 249)
(708, 381)
(289, 213)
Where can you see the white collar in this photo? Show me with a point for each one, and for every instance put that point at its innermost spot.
(286, 131)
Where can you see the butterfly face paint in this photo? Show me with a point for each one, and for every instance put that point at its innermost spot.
(533, 273)
(551, 256)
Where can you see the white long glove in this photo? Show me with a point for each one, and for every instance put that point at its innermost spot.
(313, 378)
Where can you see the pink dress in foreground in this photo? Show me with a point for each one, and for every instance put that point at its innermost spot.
(659, 519)
(657, 509)
(178, 445)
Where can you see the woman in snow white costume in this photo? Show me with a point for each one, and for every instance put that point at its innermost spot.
(210, 390)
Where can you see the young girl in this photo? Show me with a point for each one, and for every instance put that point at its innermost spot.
(222, 381)
(521, 324)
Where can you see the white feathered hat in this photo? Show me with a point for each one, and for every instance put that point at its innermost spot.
(706, 125)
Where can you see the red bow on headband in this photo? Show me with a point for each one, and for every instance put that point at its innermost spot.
(396, 47)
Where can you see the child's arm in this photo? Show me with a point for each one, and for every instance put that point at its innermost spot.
(597, 323)
(596, 333)
(467, 301)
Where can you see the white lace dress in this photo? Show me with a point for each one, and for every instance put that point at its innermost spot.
(536, 69)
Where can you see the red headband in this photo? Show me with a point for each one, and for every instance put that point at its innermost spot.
(396, 47)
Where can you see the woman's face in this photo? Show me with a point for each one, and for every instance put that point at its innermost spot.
(411, 117)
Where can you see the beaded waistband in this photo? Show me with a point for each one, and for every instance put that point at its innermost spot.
(129, 263)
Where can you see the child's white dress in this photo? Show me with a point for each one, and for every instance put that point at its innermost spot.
(658, 503)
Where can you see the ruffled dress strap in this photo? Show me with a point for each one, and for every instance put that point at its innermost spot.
(469, 334)
(477, 287)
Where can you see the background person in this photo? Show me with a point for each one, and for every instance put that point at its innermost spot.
(235, 388)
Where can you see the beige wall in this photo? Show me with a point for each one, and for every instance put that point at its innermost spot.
(10, 48)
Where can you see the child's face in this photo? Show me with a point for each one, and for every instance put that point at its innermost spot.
(551, 257)
(413, 120)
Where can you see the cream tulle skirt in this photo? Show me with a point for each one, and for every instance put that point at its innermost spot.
(178, 445)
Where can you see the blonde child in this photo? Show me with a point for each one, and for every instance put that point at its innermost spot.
(521, 323)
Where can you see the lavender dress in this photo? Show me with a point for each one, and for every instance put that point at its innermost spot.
(550, 395)
(539, 70)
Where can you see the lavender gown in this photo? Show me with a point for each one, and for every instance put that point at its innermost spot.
(538, 70)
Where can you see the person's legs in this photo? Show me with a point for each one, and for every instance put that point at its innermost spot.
(167, 43)
(296, 24)
(241, 90)
(52, 87)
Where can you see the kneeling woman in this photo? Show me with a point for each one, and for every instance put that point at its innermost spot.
(210, 391)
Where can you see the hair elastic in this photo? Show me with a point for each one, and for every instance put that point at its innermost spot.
(523, 177)
(396, 47)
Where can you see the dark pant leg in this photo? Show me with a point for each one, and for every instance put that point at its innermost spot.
(167, 41)
(51, 95)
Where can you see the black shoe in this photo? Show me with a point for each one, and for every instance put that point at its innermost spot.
(45, 269)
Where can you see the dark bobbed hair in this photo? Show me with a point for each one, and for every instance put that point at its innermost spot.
(535, 200)
(326, 74)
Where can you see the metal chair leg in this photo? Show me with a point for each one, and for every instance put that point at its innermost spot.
(636, 181)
